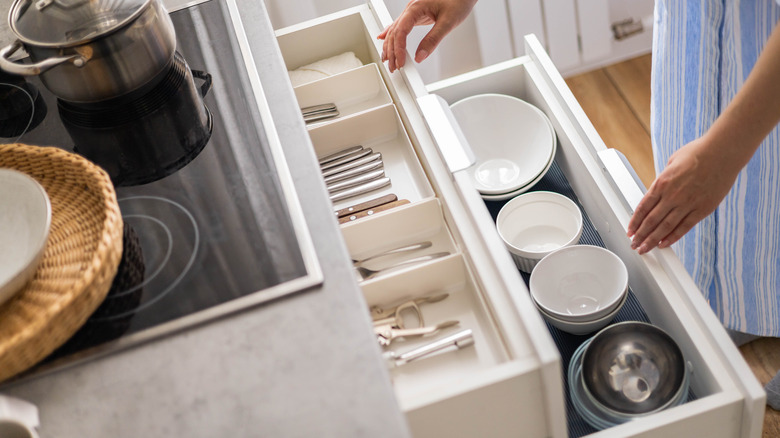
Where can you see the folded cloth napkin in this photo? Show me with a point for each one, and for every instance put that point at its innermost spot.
(324, 68)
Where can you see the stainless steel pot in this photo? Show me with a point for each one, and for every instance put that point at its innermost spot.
(91, 50)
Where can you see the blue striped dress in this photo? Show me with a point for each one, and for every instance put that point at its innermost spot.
(702, 53)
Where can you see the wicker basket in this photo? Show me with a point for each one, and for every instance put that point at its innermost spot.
(78, 264)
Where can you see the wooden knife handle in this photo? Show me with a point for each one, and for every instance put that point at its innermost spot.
(376, 202)
(372, 211)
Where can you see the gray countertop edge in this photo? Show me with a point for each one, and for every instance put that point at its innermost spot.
(304, 365)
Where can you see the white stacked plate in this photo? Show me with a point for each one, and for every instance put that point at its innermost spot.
(513, 141)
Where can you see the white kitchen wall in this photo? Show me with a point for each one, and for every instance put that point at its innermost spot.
(577, 34)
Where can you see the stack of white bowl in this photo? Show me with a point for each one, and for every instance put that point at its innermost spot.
(513, 142)
(535, 224)
(579, 289)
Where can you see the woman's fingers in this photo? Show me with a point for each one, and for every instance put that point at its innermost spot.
(660, 230)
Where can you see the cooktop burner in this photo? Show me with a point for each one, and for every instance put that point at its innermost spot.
(222, 232)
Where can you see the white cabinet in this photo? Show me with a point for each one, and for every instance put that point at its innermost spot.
(511, 383)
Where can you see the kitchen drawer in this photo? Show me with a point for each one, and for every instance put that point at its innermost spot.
(512, 382)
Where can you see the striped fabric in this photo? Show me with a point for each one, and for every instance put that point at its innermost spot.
(702, 53)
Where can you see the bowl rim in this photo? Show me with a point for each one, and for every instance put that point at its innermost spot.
(541, 171)
(676, 395)
(548, 196)
(580, 247)
(605, 320)
(14, 283)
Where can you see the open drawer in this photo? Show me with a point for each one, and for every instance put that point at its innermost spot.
(513, 381)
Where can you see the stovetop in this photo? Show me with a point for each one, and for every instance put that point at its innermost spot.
(224, 232)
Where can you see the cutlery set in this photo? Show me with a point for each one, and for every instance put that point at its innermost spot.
(352, 172)
(318, 113)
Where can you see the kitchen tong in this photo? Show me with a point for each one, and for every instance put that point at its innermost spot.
(389, 323)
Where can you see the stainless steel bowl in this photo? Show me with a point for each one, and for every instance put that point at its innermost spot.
(633, 368)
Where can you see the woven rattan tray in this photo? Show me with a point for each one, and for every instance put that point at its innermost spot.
(78, 264)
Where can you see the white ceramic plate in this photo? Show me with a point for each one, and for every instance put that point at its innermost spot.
(25, 220)
(510, 138)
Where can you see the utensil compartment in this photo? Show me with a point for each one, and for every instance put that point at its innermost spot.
(380, 130)
(352, 92)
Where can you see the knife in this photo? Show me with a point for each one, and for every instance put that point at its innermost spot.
(325, 107)
(371, 203)
(346, 159)
(354, 171)
(339, 154)
(360, 190)
(308, 118)
(352, 164)
(372, 211)
(352, 182)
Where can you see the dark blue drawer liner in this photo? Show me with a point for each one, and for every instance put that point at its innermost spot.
(555, 181)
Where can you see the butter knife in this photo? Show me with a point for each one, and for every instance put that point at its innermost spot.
(352, 164)
(325, 107)
(340, 154)
(374, 165)
(352, 182)
(360, 190)
(346, 159)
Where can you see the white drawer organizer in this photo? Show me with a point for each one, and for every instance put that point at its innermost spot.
(511, 383)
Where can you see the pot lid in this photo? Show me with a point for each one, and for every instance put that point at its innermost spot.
(61, 23)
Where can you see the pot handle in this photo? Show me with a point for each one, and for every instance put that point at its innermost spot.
(206, 86)
(36, 68)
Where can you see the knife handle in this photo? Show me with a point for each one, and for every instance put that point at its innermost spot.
(376, 202)
(372, 211)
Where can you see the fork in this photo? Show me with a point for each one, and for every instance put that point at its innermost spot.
(366, 273)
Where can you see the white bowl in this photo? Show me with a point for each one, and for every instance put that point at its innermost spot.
(529, 186)
(582, 327)
(579, 283)
(534, 224)
(25, 219)
(510, 138)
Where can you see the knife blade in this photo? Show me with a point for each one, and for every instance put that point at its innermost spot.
(371, 203)
(352, 164)
(346, 159)
(309, 118)
(325, 107)
(354, 171)
(339, 154)
(352, 182)
(360, 190)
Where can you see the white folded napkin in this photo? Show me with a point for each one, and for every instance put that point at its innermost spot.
(324, 68)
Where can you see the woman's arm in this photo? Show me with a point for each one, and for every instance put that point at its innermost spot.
(700, 174)
(445, 15)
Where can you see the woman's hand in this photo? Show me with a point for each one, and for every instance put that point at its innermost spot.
(695, 181)
(445, 15)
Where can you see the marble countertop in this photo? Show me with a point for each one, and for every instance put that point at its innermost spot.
(305, 365)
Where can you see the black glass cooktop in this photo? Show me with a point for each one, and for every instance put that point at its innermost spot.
(216, 235)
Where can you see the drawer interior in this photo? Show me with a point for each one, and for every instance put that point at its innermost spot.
(650, 300)
(488, 371)
(380, 130)
(426, 386)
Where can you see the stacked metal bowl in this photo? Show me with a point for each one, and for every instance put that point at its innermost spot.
(627, 371)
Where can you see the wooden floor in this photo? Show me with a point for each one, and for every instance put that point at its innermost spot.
(617, 100)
